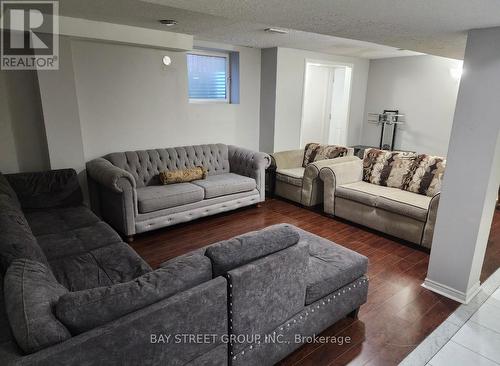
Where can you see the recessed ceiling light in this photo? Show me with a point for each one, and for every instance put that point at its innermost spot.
(168, 22)
(276, 30)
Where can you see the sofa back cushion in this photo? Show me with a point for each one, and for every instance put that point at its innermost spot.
(387, 168)
(267, 292)
(16, 239)
(84, 310)
(48, 189)
(31, 291)
(146, 165)
(6, 189)
(314, 152)
(240, 250)
(420, 174)
(426, 175)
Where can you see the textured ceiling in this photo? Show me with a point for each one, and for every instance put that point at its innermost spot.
(214, 28)
(430, 26)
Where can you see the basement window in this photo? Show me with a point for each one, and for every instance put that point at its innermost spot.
(209, 78)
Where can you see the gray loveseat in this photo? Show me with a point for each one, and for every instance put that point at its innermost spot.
(126, 191)
(72, 293)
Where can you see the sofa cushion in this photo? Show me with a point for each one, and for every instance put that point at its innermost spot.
(397, 169)
(390, 199)
(54, 188)
(224, 184)
(331, 266)
(293, 176)
(16, 238)
(84, 310)
(426, 175)
(154, 198)
(415, 206)
(387, 168)
(104, 266)
(235, 252)
(77, 241)
(314, 152)
(60, 220)
(6, 188)
(31, 291)
(6, 336)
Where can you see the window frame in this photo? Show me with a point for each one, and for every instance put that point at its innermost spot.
(226, 55)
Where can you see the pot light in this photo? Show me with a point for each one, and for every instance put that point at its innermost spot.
(168, 22)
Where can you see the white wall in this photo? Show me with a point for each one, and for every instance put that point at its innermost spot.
(23, 146)
(60, 110)
(422, 88)
(128, 100)
(269, 58)
(466, 208)
(8, 154)
(289, 92)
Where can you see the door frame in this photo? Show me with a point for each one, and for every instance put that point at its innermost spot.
(333, 65)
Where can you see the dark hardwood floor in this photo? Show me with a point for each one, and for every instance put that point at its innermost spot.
(399, 313)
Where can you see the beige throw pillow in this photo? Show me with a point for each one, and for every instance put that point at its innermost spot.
(183, 175)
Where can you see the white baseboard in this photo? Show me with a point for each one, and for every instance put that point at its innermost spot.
(451, 293)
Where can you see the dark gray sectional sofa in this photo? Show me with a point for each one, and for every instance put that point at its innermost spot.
(72, 293)
(126, 191)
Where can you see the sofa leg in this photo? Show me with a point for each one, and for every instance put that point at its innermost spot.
(354, 314)
(258, 205)
(129, 239)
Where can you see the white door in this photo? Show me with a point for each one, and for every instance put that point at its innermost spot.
(317, 104)
(339, 114)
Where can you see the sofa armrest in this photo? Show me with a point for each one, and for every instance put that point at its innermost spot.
(288, 159)
(311, 175)
(141, 337)
(251, 164)
(268, 291)
(109, 175)
(349, 170)
(313, 169)
(431, 221)
(47, 189)
(113, 194)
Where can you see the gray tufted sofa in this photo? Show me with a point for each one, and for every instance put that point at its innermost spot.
(125, 188)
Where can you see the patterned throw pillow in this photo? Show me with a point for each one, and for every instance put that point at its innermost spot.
(183, 175)
(387, 168)
(314, 152)
(427, 175)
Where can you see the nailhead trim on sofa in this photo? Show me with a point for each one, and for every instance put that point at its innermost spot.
(303, 316)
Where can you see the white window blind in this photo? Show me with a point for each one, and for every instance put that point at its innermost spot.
(208, 77)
